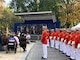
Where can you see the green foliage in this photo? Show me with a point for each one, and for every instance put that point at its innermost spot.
(19, 5)
(50, 5)
(34, 6)
(8, 18)
(70, 12)
(63, 9)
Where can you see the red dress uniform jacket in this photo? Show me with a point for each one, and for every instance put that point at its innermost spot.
(44, 38)
(67, 38)
(52, 34)
(56, 34)
(73, 37)
(63, 35)
(60, 36)
(70, 39)
(77, 40)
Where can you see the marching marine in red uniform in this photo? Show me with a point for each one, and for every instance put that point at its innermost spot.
(57, 41)
(44, 40)
(52, 33)
(72, 52)
(77, 46)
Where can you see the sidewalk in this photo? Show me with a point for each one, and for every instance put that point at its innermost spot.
(53, 54)
(20, 55)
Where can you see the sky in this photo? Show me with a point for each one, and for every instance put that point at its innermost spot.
(7, 2)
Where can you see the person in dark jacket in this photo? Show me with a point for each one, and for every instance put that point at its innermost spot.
(12, 43)
(23, 42)
(0, 39)
(0, 42)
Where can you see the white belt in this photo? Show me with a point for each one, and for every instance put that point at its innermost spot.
(73, 42)
(69, 42)
(64, 41)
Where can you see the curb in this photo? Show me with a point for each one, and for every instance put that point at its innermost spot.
(24, 56)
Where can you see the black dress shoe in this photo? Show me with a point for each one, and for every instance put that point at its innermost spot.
(43, 58)
(70, 59)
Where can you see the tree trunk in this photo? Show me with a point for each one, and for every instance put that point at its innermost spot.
(7, 29)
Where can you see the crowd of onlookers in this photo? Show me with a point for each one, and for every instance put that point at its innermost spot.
(20, 39)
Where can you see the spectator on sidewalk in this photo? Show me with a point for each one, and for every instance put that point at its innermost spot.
(0, 39)
(17, 39)
(28, 37)
(0, 42)
(4, 39)
(11, 39)
(22, 42)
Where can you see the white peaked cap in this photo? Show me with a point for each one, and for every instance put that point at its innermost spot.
(44, 26)
(52, 29)
(78, 28)
(47, 29)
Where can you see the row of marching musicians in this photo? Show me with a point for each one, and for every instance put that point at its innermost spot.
(66, 41)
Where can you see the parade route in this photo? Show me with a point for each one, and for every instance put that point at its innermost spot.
(53, 54)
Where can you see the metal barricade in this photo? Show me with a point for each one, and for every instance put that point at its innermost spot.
(35, 37)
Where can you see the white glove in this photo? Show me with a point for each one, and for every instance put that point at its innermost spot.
(69, 42)
(50, 37)
(78, 46)
(54, 37)
(62, 39)
(73, 42)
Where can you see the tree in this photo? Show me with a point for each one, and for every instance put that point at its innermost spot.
(67, 11)
(1, 8)
(8, 20)
(32, 6)
(36, 5)
(7, 17)
(19, 5)
(24, 5)
(51, 5)
(70, 12)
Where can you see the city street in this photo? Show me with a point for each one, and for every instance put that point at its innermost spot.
(53, 54)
